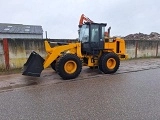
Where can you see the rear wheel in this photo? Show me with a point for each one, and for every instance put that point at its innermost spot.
(109, 63)
(100, 62)
(69, 66)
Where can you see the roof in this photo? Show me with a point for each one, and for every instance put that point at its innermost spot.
(20, 29)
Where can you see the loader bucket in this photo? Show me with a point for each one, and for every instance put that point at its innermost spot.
(34, 65)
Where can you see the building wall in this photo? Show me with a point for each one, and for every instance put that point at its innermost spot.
(20, 49)
(23, 36)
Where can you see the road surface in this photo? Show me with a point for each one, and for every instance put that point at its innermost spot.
(126, 96)
(49, 76)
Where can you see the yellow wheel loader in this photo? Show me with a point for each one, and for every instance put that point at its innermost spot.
(93, 49)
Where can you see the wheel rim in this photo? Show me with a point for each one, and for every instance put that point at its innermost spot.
(111, 63)
(70, 66)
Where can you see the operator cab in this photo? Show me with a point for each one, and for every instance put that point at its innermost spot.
(91, 36)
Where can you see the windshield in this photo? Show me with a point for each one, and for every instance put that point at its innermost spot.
(84, 33)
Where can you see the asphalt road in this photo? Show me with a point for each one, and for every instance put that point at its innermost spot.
(127, 96)
(49, 76)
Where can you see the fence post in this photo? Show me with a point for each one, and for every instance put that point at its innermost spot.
(6, 53)
(136, 45)
(157, 50)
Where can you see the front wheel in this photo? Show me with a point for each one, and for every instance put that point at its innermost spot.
(109, 63)
(69, 66)
(53, 65)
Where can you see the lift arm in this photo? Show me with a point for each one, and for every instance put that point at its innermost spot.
(56, 51)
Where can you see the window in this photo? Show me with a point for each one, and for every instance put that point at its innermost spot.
(84, 33)
(103, 31)
(94, 33)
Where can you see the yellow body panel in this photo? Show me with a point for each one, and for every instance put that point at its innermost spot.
(111, 46)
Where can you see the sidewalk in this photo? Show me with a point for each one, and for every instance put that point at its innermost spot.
(48, 76)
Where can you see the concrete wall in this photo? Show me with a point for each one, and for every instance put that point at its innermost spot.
(142, 48)
(146, 49)
(20, 49)
(131, 48)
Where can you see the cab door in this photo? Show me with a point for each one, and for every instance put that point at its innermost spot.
(97, 38)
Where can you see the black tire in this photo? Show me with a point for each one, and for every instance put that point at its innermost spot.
(109, 63)
(53, 65)
(69, 60)
(100, 62)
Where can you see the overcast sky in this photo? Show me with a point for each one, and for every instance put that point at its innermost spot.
(60, 18)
